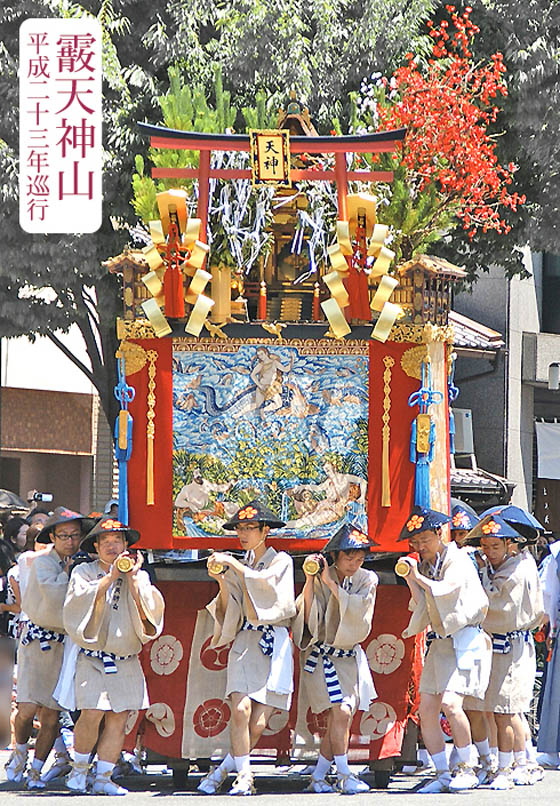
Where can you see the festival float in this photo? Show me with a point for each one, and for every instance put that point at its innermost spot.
(286, 359)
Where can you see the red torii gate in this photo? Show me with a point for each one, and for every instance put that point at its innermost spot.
(205, 143)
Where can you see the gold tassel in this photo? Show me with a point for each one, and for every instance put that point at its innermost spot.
(150, 426)
(385, 472)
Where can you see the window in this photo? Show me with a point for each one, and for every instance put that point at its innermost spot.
(551, 293)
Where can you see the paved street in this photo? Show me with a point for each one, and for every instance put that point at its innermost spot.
(271, 786)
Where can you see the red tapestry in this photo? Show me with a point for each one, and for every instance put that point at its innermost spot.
(385, 523)
(155, 520)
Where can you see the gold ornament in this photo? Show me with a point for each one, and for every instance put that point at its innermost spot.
(402, 568)
(423, 426)
(312, 565)
(125, 563)
(389, 363)
(411, 361)
(275, 329)
(134, 357)
(150, 426)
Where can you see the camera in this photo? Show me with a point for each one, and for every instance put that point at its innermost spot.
(33, 495)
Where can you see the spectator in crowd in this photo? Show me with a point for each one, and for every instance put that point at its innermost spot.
(15, 533)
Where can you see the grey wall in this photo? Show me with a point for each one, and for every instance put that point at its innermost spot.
(502, 405)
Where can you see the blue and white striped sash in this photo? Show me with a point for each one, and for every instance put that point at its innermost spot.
(326, 652)
(266, 643)
(45, 637)
(501, 641)
(108, 658)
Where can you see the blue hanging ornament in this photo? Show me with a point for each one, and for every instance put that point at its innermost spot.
(123, 436)
(423, 435)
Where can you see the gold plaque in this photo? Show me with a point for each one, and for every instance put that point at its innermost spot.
(215, 567)
(423, 425)
(270, 156)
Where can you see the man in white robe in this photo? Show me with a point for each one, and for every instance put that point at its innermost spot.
(335, 612)
(253, 609)
(110, 615)
(446, 596)
(41, 648)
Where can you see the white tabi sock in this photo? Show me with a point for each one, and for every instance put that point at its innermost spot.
(242, 763)
(342, 767)
(81, 758)
(520, 758)
(22, 748)
(321, 768)
(494, 752)
(37, 764)
(483, 748)
(505, 760)
(464, 754)
(104, 767)
(531, 751)
(59, 746)
(227, 766)
(440, 761)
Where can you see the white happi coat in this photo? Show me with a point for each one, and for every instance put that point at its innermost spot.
(111, 625)
(516, 606)
(341, 623)
(265, 597)
(43, 601)
(453, 607)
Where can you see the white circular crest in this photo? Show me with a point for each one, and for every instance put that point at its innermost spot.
(378, 721)
(166, 654)
(163, 718)
(385, 653)
(130, 721)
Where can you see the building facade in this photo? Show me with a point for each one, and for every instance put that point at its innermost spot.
(509, 391)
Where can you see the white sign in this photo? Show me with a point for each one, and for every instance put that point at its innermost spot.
(548, 450)
(60, 117)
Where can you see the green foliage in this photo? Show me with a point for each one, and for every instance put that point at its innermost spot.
(185, 464)
(68, 267)
(321, 49)
(236, 235)
(528, 33)
(186, 108)
(144, 192)
(263, 115)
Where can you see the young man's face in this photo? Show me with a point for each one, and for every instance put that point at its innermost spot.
(347, 562)
(251, 534)
(109, 546)
(495, 550)
(66, 538)
(428, 544)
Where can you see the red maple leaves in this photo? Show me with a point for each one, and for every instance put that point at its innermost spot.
(447, 106)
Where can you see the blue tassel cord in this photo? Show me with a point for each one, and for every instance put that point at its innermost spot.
(124, 394)
(424, 397)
